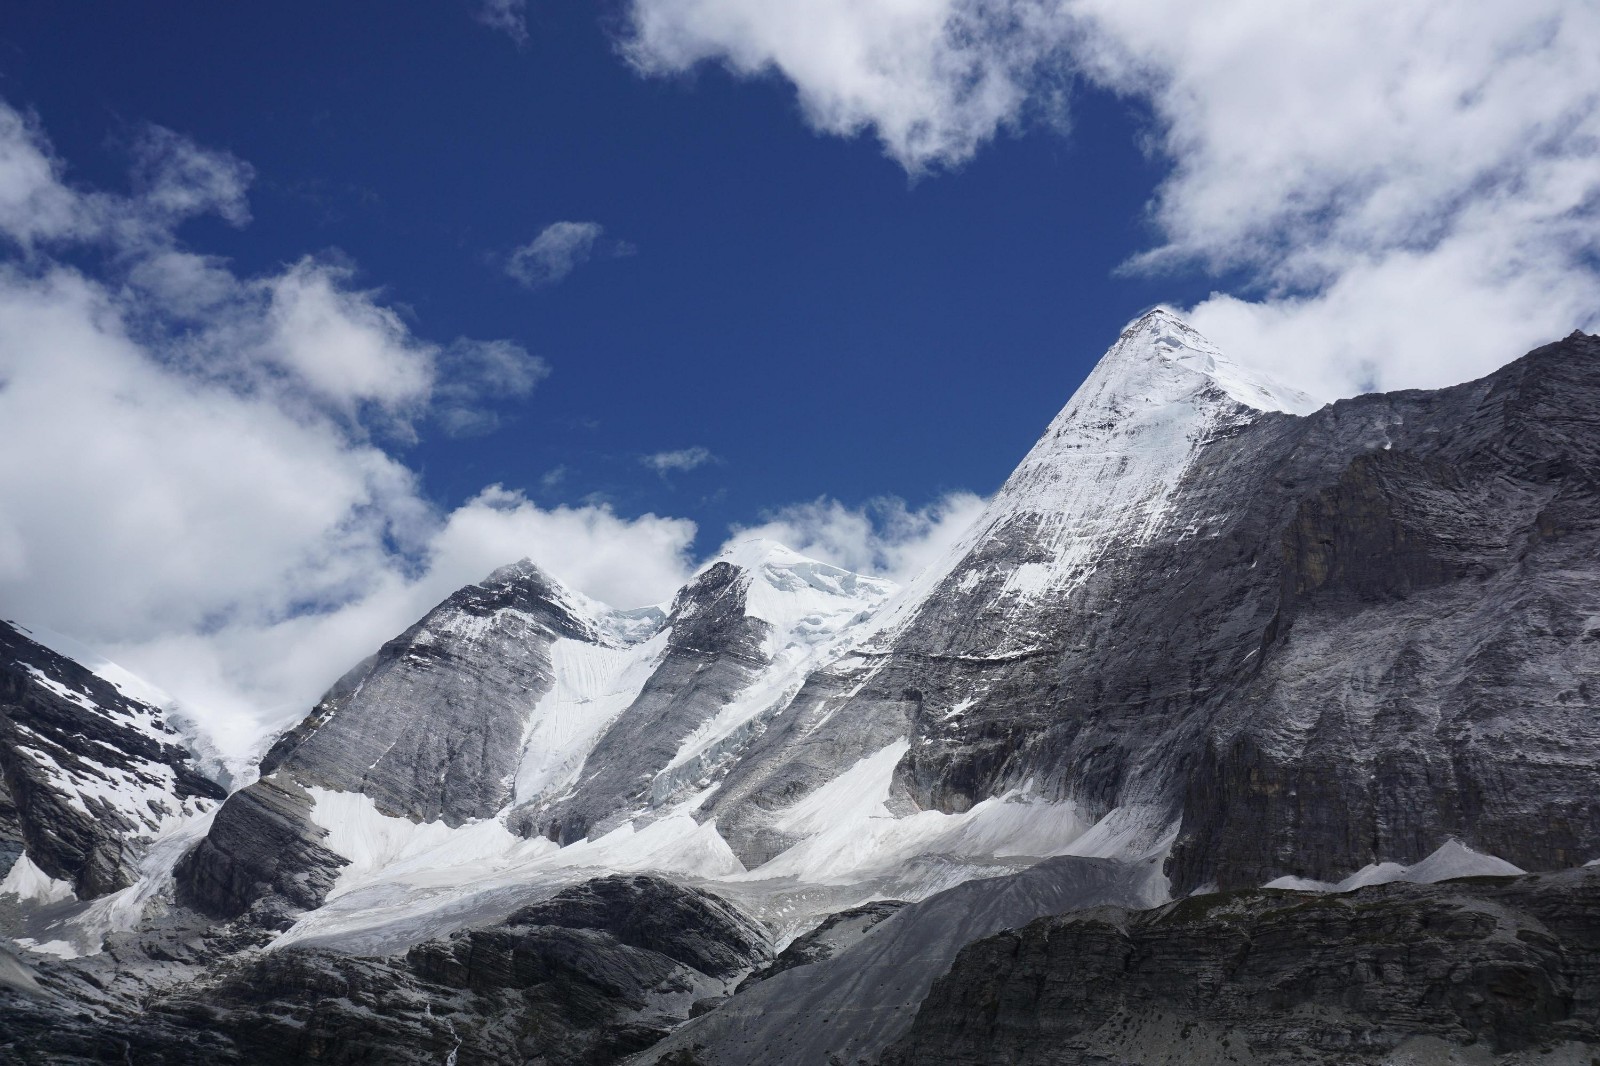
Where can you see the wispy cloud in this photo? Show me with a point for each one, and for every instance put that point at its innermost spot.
(882, 537)
(561, 248)
(682, 459)
(508, 16)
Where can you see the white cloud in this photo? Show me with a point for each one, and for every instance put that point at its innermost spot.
(343, 346)
(177, 178)
(194, 484)
(200, 495)
(679, 460)
(473, 369)
(33, 202)
(933, 79)
(558, 250)
(883, 537)
(1408, 192)
(1415, 188)
(510, 17)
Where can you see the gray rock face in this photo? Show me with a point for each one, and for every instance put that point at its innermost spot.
(432, 728)
(88, 775)
(714, 651)
(1317, 642)
(1489, 969)
(836, 933)
(849, 1006)
(263, 855)
(1273, 642)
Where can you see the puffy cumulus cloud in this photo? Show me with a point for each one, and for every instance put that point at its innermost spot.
(933, 79)
(1410, 192)
(33, 202)
(197, 484)
(559, 249)
(883, 537)
(1414, 188)
(678, 460)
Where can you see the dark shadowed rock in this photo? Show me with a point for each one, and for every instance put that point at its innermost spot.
(88, 775)
(264, 853)
(853, 1004)
(834, 934)
(598, 972)
(1398, 973)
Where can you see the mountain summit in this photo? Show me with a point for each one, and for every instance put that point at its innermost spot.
(1208, 635)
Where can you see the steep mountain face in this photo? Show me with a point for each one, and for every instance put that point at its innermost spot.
(518, 703)
(89, 777)
(1206, 637)
(1302, 643)
(431, 729)
(1196, 621)
(714, 651)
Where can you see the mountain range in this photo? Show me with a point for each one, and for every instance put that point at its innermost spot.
(1237, 728)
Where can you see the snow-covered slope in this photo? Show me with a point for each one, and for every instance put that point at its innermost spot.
(1101, 478)
(744, 710)
(95, 789)
(1198, 635)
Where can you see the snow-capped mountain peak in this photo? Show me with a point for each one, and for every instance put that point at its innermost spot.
(1159, 354)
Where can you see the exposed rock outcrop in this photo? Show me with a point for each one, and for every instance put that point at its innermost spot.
(89, 776)
(1482, 970)
(597, 972)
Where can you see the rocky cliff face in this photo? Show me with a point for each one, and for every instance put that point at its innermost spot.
(1485, 970)
(1205, 637)
(714, 651)
(847, 1006)
(431, 729)
(1310, 641)
(89, 776)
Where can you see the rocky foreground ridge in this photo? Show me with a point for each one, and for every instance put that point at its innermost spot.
(1208, 637)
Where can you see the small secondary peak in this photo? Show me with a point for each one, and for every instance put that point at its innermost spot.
(755, 552)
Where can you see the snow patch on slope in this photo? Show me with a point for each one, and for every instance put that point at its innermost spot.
(804, 601)
(851, 836)
(81, 930)
(27, 882)
(1451, 860)
(593, 684)
(813, 610)
(405, 878)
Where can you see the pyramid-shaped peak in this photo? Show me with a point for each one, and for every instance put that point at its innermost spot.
(1160, 341)
(524, 569)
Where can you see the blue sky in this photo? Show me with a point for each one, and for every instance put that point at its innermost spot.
(311, 313)
(818, 320)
